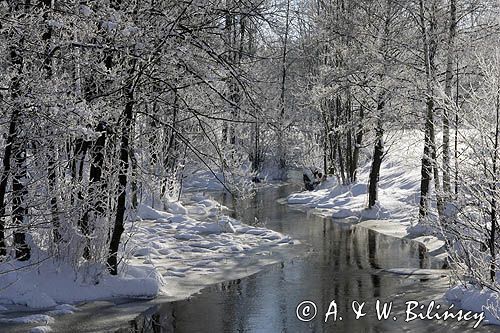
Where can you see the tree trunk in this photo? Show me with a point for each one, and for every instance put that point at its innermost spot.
(350, 141)
(96, 187)
(12, 136)
(448, 107)
(357, 146)
(79, 152)
(375, 172)
(95, 174)
(18, 155)
(19, 192)
(493, 190)
(172, 150)
(378, 150)
(338, 145)
(281, 128)
(52, 160)
(256, 158)
(234, 54)
(325, 151)
(456, 135)
(428, 158)
(172, 146)
(52, 181)
(378, 154)
(133, 186)
(127, 129)
(341, 162)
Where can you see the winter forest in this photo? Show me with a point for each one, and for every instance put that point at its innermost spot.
(119, 118)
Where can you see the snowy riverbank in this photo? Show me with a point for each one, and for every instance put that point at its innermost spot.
(170, 254)
(196, 244)
(396, 212)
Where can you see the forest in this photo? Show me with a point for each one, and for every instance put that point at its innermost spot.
(108, 106)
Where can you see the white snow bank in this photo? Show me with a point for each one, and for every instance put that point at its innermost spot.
(474, 299)
(399, 186)
(198, 245)
(43, 283)
(41, 329)
(419, 272)
(148, 213)
(173, 252)
(63, 309)
(396, 211)
(31, 319)
(204, 180)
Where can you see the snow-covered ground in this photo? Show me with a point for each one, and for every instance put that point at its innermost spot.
(398, 187)
(396, 212)
(170, 253)
(196, 244)
(474, 299)
(203, 180)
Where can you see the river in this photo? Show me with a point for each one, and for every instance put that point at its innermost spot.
(346, 264)
(337, 262)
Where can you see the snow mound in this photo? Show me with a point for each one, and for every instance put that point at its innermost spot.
(399, 186)
(36, 299)
(418, 272)
(31, 319)
(41, 329)
(148, 213)
(475, 299)
(198, 245)
(177, 208)
(204, 180)
(43, 283)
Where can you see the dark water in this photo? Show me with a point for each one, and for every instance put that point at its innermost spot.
(345, 265)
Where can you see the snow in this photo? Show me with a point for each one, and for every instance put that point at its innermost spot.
(395, 213)
(204, 180)
(169, 253)
(130, 30)
(54, 23)
(438, 273)
(148, 213)
(41, 329)
(85, 10)
(177, 208)
(43, 283)
(475, 299)
(63, 309)
(194, 241)
(399, 186)
(31, 319)
(109, 25)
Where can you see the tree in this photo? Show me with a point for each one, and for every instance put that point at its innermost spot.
(448, 86)
(382, 98)
(428, 26)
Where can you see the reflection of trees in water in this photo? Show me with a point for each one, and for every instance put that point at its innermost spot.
(345, 266)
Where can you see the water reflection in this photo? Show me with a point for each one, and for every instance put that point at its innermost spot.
(346, 264)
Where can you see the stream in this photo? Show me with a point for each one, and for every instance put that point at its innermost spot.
(337, 262)
(346, 265)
